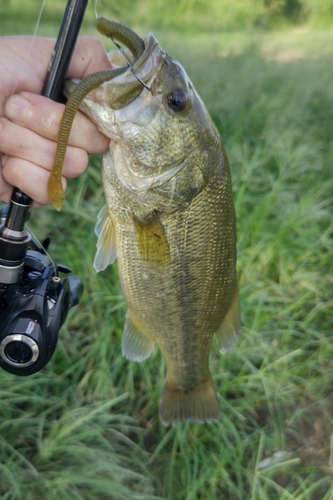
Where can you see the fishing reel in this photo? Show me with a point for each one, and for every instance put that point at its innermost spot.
(34, 300)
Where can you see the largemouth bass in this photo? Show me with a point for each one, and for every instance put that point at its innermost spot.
(169, 220)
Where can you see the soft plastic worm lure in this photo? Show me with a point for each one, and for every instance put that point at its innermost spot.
(135, 44)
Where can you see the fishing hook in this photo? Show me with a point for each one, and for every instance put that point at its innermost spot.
(128, 59)
(130, 62)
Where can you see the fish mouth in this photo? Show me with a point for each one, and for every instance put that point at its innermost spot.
(124, 88)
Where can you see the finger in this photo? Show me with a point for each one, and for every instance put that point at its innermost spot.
(24, 144)
(28, 177)
(43, 116)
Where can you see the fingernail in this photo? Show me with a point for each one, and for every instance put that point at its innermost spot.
(18, 108)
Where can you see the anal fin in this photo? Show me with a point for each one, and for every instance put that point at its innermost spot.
(227, 332)
(106, 244)
(135, 344)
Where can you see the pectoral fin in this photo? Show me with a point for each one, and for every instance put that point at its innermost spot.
(227, 333)
(135, 344)
(106, 244)
(152, 241)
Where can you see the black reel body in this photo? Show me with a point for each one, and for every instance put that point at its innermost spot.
(36, 309)
(34, 302)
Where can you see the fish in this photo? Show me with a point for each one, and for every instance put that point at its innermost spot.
(169, 221)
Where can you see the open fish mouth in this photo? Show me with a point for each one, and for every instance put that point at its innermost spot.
(125, 87)
(133, 81)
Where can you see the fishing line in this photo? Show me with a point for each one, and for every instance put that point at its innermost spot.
(41, 246)
(32, 42)
(130, 62)
(128, 59)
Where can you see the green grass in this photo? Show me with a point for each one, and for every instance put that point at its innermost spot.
(86, 427)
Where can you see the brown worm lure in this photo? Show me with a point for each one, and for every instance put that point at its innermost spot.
(135, 44)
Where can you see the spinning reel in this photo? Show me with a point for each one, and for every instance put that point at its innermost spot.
(34, 300)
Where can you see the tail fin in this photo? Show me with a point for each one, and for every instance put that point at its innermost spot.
(200, 404)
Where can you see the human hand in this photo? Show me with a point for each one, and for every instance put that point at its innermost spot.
(29, 123)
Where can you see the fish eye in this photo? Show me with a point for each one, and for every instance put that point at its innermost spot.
(177, 100)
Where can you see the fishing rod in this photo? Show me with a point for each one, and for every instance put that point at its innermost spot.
(34, 300)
